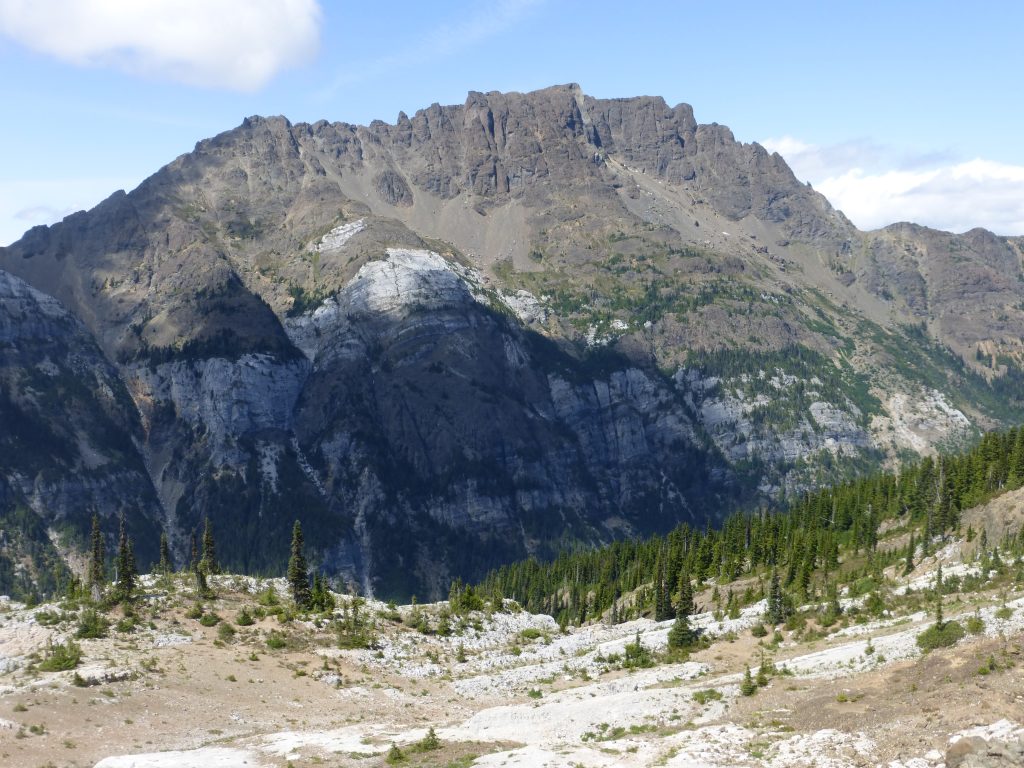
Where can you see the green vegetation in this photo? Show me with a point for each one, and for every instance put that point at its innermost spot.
(707, 695)
(948, 634)
(799, 545)
(61, 657)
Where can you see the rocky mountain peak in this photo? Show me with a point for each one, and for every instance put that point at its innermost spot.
(559, 317)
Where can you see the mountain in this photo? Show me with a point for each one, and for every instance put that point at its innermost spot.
(528, 322)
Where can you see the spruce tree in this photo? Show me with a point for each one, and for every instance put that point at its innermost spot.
(748, 687)
(209, 560)
(681, 635)
(298, 570)
(165, 555)
(908, 566)
(193, 562)
(686, 594)
(662, 602)
(776, 601)
(97, 559)
(125, 564)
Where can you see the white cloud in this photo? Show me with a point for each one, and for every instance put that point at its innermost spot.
(235, 44)
(875, 186)
(25, 204)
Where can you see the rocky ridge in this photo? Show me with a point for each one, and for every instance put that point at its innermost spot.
(494, 329)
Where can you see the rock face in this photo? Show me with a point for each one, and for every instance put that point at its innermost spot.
(488, 330)
(67, 442)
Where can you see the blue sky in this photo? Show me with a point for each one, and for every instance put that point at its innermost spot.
(896, 111)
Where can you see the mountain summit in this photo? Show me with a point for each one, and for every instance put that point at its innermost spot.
(503, 328)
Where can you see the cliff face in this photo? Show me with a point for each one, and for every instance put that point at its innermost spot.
(488, 330)
(68, 442)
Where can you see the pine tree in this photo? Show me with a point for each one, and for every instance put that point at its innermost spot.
(209, 559)
(193, 562)
(125, 564)
(748, 687)
(97, 559)
(298, 570)
(908, 565)
(165, 555)
(776, 601)
(686, 594)
(662, 603)
(681, 635)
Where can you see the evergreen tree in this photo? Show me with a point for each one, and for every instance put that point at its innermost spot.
(193, 562)
(686, 594)
(748, 687)
(165, 555)
(97, 558)
(662, 602)
(209, 559)
(681, 635)
(776, 613)
(126, 575)
(298, 570)
(908, 565)
(320, 598)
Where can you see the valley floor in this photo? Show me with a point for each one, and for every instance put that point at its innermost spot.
(510, 689)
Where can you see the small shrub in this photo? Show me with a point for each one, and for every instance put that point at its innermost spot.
(244, 618)
(195, 612)
(209, 619)
(51, 618)
(268, 597)
(708, 694)
(61, 657)
(395, 755)
(428, 743)
(91, 625)
(976, 624)
(1004, 613)
(758, 630)
(225, 632)
(940, 636)
(534, 693)
(275, 640)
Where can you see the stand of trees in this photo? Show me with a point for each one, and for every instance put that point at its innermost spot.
(802, 544)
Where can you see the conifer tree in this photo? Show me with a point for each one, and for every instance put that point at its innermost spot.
(681, 635)
(209, 559)
(662, 602)
(776, 601)
(908, 565)
(97, 559)
(125, 564)
(165, 555)
(686, 594)
(748, 687)
(298, 570)
(193, 562)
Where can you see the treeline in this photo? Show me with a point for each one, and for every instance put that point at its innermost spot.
(804, 543)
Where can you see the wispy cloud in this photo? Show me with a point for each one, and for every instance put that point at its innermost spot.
(441, 42)
(876, 185)
(233, 44)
